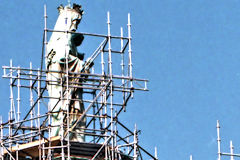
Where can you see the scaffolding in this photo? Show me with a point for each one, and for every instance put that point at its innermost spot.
(106, 93)
(222, 155)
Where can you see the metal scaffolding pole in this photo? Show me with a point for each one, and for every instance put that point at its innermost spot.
(218, 140)
(12, 107)
(38, 114)
(122, 66)
(62, 125)
(191, 157)
(156, 153)
(130, 49)
(135, 143)
(31, 97)
(67, 90)
(1, 137)
(18, 98)
(231, 150)
(111, 85)
(105, 122)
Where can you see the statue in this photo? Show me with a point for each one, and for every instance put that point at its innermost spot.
(62, 48)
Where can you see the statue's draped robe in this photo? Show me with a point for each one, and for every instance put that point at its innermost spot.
(59, 47)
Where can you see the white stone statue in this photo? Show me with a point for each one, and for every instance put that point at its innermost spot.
(62, 48)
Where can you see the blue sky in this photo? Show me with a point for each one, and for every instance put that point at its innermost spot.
(189, 50)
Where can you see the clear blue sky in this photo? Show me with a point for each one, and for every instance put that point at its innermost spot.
(188, 49)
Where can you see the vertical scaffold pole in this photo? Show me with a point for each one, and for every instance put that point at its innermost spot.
(102, 60)
(67, 89)
(231, 150)
(218, 140)
(103, 72)
(135, 142)
(12, 103)
(111, 85)
(38, 114)
(18, 98)
(115, 134)
(45, 29)
(130, 49)
(191, 158)
(11, 92)
(109, 45)
(94, 121)
(62, 127)
(45, 46)
(122, 54)
(122, 65)
(1, 137)
(31, 98)
(156, 153)
(105, 122)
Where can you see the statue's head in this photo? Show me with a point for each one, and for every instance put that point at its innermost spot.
(78, 8)
(71, 15)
